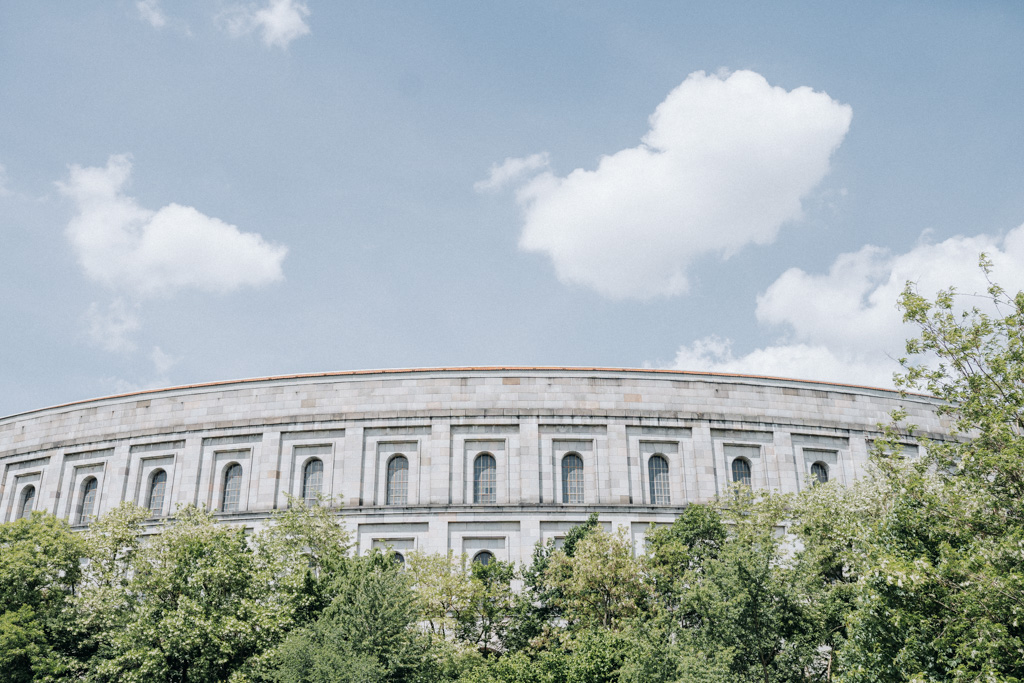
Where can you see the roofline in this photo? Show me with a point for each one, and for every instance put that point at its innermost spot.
(482, 368)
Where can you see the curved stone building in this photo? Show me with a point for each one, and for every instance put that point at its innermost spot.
(485, 461)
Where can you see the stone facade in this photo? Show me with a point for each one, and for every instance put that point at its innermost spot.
(359, 424)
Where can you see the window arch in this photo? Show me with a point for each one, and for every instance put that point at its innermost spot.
(157, 491)
(657, 473)
(741, 471)
(399, 558)
(484, 557)
(572, 479)
(398, 481)
(28, 501)
(231, 500)
(819, 472)
(312, 481)
(485, 479)
(88, 500)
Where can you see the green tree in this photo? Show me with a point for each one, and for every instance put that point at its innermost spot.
(831, 522)
(695, 537)
(601, 584)
(199, 601)
(40, 570)
(521, 666)
(24, 645)
(444, 591)
(941, 570)
(112, 543)
(537, 606)
(367, 633)
(489, 611)
(753, 606)
(299, 556)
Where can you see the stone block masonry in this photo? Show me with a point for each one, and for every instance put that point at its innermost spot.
(475, 460)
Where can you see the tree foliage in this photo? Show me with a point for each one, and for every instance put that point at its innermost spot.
(40, 570)
(365, 634)
(942, 579)
(601, 584)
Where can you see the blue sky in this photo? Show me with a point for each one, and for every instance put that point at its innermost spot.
(195, 191)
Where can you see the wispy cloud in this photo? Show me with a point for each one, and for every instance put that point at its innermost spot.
(726, 162)
(141, 253)
(151, 12)
(111, 327)
(159, 378)
(278, 22)
(513, 168)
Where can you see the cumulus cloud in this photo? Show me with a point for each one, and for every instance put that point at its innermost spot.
(111, 328)
(142, 252)
(151, 13)
(843, 325)
(725, 163)
(513, 168)
(279, 22)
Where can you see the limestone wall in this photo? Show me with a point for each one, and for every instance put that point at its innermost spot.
(440, 421)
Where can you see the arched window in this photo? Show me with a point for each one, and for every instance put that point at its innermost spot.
(232, 488)
(819, 471)
(485, 479)
(657, 472)
(484, 557)
(88, 500)
(28, 501)
(572, 479)
(312, 481)
(157, 489)
(399, 558)
(741, 471)
(398, 481)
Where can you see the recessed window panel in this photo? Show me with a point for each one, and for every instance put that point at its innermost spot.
(312, 481)
(398, 481)
(741, 471)
(85, 508)
(232, 488)
(572, 479)
(28, 501)
(657, 471)
(157, 490)
(485, 479)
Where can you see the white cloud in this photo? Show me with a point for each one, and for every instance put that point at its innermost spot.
(799, 361)
(142, 252)
(844, 325)
(151, 13)
(279, 22)
(511, 169)
(725, 163)
(162, 364)
(111, 329)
